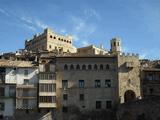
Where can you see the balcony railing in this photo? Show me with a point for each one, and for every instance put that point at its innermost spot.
(26, 86)
(47, 105)
(47, 76)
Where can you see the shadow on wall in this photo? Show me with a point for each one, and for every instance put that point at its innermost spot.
(75, 114)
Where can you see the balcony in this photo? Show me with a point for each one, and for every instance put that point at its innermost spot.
(26, 86)
(26, 103)
(47, 105)
(47, 76)
(47, 93)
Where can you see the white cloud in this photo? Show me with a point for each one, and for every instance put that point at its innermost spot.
(40, 24)
(92, 13)
(30, 27)
(4, 12)
(75, 38)
(85, 43)
(27, 19)
(63, 31)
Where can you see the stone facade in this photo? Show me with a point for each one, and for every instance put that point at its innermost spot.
(94, 81)
(50, 41)
(129, 77)
(89, 79)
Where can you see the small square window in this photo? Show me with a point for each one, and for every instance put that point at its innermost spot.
(107, 83)
(64, 109)
(2, 91)
(81, 97)
(108, 104)
(81, 83)
(26, 81)
(64, 84)
(2, 106)
(65, 96)
(26, 72)
(97, 83)
(98, 105)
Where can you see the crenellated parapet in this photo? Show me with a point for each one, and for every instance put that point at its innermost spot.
(129, 55)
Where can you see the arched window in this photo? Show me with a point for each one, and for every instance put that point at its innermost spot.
(83, 67)
(95, 67)
(65, 67)
(101, 67)
(78, 67)
(43, 62)
(71, 67)
(107, 67)
(89, 67)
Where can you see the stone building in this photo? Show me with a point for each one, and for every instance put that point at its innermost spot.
(89, 78)
(150, 78)
(50, 41)
(94, 81)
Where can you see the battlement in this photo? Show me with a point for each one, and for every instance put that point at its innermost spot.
(129, 55)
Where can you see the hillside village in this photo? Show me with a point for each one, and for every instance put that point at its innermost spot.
(50, 79)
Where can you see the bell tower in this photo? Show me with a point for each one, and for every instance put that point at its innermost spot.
(115, 45)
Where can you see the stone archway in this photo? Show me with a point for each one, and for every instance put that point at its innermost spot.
(129, 96)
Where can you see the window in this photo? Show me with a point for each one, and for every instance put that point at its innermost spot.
(65, 96)
(78, 67)
(150, 76)
(1, 106)
(50, 46)
(81, 83)
(50, 36)
(98, 104)
(108, 83)
(108, 104)
(47, 99)
(64, 84)
(83, 67)
(2, 91)
(64, 109)
(129, 81)
(151, 90)
(47, 87)
(114, 43)
(26, 72)
(71, 67)
(65, 67)
(101, 67)
(97, 83)
(117, 43)
(54, 37)
(89, 67)
(13, 72)
(26, 81)
(95, 67)
(107, 67)
(81, 97)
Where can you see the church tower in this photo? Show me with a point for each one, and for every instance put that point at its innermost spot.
(115, 45)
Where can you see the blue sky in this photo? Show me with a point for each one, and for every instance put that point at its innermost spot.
(136, 22)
